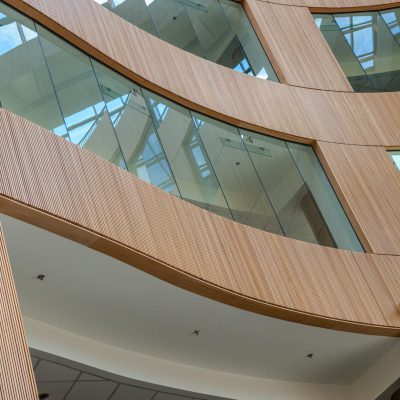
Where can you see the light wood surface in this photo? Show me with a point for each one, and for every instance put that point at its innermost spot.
(70, 191)
(278, 109)
(339, 5)
(285, 31)
(17, 381)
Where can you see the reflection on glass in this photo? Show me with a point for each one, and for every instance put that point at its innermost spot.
(395, 154)
(368, 39)
(217, 30)
(290, 196)
(343, 52)
(235, 172)
(135, 130)
(25, 84)
(337, 223)
(259, 181)
(255, 55)
(391, 17)
(79, 97)
(173, 25)
(189, 162)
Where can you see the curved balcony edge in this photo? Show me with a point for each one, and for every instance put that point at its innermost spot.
(55, 185)
(339, 5)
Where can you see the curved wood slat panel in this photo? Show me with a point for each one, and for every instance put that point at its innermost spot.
(17, 381)
(285, 111)
(56, 185)
(286, 31)
(339, 5)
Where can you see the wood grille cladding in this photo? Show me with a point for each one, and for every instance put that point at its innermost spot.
(338, 5)
(269, 107)
(17, 381)
(70, 191)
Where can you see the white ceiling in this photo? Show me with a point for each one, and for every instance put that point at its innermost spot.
(96, 296)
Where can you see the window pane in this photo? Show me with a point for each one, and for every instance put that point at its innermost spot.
(324, 196)
(255, 54)
(236, 174)
(216, 36)
(25, 84)
(372, 40)
(135, 130)
(374, 46)
(173, 25)
(290, 196)
(342, 50)
(80, 98)
(189, 162)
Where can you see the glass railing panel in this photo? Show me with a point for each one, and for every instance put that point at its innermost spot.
(372, 40)
(80, 99)
(293, 203)
(192, 169)
(136, 132)
(235, 172)
(337, 225)
(173, 25)
(217, 30)
(25, 85)
(255, 54)
(220, 43)
(395, 155)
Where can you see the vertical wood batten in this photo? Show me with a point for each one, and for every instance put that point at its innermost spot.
(296, 47)
(17, 381)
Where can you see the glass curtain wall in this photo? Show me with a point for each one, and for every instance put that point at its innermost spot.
(253, 179)
(366, 45)
(217, 30)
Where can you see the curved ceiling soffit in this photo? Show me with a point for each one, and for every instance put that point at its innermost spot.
(72, 192)
(288, 112)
